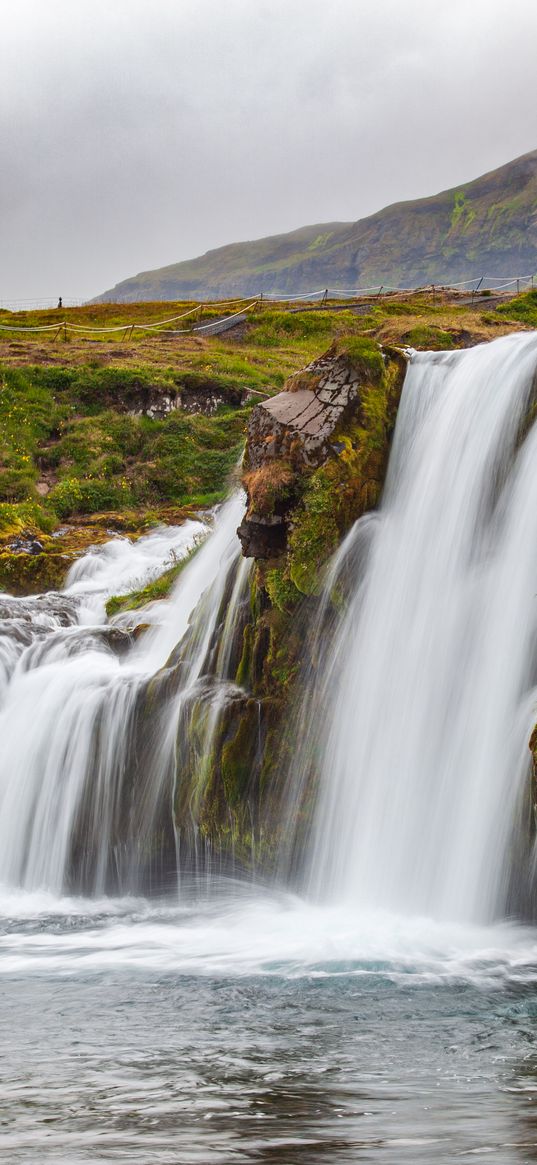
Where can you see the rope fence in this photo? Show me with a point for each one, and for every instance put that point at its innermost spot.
(63, 326)
(66, 326)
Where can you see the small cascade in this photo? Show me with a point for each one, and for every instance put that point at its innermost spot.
(87, 768)
(428, 686)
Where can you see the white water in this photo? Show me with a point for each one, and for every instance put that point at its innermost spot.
(432, 674)
(246, 1026)
(68, 717)
(242, 931)
(120, 566)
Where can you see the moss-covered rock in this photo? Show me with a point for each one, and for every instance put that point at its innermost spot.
(30, 574)
(314, 533)
(363, 355)
(281, 589)
(303, 497)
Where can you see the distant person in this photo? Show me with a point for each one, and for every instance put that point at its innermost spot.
(60, 302)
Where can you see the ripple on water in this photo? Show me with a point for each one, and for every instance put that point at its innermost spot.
(254, 1028)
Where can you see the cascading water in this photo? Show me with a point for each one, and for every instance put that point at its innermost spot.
(85, 771)
(431, 676)
(248, 1024)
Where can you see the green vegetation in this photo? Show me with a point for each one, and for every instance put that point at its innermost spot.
(314, 533)
(431, 338)
(463, 212)
(93, 434)
(60, 426)
(523, 308)
(364, 355)
(281, 590)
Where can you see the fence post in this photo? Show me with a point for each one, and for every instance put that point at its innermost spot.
(476, 289)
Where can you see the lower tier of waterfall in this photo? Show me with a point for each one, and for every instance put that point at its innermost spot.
(91, 718)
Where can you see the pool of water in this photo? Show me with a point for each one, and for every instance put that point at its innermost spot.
(244, 1027)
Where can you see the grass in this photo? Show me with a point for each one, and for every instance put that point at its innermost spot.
(523, 309)
(70, 446)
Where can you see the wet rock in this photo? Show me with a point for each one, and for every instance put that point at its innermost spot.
(262, 537)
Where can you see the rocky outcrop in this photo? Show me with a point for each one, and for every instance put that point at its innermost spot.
(315, 460)
(328, 431)
(300, 422)
(32, 572)
(206, 395)
(195, 395)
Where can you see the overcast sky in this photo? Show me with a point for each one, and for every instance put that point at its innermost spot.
(135, 133)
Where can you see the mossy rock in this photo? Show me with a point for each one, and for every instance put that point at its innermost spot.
(350, 482)
(282, 591)
(239, 755)
(364, 356)
(313, 536)
(32, 574)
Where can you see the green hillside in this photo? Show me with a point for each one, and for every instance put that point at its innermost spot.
(485, 227)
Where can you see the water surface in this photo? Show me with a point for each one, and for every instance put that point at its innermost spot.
(240, 1027)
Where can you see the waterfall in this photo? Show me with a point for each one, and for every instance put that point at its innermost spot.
(87, 766)
(429, 684)
(417, 710)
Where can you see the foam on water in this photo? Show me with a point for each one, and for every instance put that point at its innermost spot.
(238, 932)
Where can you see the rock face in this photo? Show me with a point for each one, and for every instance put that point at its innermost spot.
(296, 428)
(301, 420)
(262, 537)
(192, 394)
(207, 397)
(297, 432)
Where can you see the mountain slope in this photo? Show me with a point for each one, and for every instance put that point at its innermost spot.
(486, 227)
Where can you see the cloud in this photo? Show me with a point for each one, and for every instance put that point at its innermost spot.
(136, 134)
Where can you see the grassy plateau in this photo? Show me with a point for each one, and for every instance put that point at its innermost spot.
(121, 430)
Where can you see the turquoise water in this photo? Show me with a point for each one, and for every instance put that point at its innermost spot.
(243, 1028)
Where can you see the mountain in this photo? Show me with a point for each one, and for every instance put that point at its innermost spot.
(485, 227)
